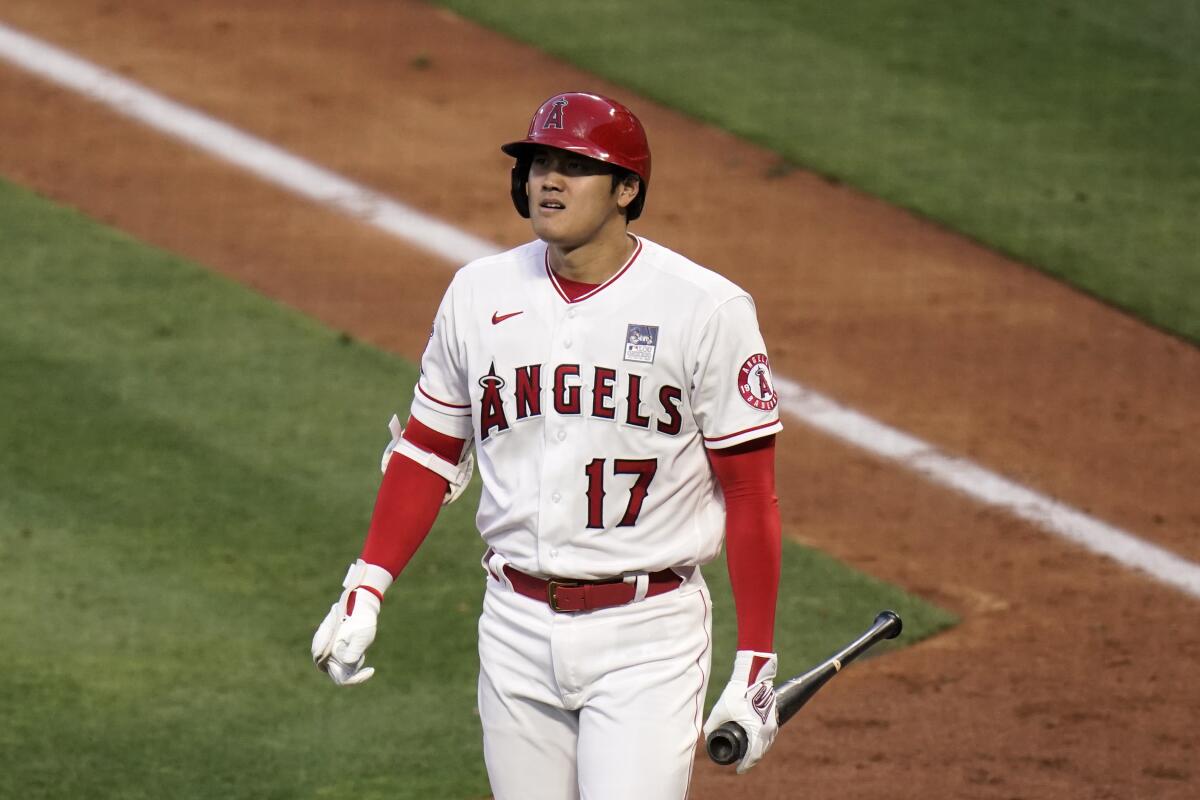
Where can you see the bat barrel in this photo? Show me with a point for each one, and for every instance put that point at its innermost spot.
(728, 743)
(887, 625)
(791, 696)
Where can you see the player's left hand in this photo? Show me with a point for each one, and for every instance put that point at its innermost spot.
(749, 700)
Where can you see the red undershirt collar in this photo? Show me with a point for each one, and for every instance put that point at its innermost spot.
(574, 289)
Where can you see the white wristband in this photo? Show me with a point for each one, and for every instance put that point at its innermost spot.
(363, 574)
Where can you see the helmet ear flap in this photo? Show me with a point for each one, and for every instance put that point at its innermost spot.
(520, 182)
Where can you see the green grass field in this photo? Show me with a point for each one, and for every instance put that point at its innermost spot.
(1061, 133)
(186, 469)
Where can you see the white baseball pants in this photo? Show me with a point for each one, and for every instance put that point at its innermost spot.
(595, 705)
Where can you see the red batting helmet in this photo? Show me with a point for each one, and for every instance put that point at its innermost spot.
(590, 125)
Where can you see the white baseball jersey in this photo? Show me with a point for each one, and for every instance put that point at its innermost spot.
(591, 417)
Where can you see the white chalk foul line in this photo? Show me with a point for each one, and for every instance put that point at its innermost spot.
(277, 166)
(214, 137)
(986, 486)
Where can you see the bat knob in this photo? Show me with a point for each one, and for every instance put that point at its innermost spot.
(727, 744)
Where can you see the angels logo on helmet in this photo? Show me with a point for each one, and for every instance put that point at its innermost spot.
(601, 129)
(555, 118)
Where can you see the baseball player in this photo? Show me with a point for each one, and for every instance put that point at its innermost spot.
(618, 401)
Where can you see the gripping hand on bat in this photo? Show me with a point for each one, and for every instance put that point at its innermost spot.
(749, 701)
(729, 739)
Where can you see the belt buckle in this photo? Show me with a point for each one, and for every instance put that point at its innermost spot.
(552, 587)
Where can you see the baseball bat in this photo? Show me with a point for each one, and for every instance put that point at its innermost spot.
(727, 744)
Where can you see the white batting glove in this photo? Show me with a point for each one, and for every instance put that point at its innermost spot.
(339, 645)
(749, 700)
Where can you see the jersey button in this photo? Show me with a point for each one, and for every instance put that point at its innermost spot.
(553, 553)
(567, 343)
(562, 435)
(556, 497)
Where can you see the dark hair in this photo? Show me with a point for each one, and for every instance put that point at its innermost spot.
(620, 175)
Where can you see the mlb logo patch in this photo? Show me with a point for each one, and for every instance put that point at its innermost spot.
(640, 343)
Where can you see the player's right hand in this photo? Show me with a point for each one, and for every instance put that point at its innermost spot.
(341, 641)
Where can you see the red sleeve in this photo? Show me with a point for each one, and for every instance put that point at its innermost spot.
(409, 500)
(752, 537)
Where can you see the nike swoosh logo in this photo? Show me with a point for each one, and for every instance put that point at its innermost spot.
(497, 317)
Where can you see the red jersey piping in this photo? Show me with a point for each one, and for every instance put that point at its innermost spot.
(739, 433)
(439, 402)
(554, 278)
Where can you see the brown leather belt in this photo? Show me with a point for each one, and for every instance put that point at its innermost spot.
(562, 594)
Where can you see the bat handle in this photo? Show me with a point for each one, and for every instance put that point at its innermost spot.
(727, 744)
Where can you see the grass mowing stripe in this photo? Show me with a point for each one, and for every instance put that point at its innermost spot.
(1062, 134)
(178, 510)
(186, 468)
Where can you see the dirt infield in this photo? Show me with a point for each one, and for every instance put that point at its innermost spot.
(1070, 676)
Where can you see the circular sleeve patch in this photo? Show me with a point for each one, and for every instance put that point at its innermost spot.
(754, 383)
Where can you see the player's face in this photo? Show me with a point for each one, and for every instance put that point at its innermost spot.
(572, 199)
